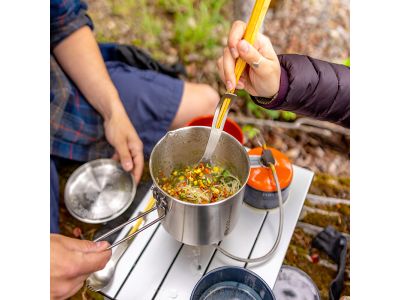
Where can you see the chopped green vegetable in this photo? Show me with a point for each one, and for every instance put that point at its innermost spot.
(200, 184)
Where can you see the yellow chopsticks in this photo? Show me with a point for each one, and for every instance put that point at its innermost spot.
(260, 9)
(139, 222)
(223, 111)
(258, 13)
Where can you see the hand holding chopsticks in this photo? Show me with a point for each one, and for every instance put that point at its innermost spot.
(246, 46)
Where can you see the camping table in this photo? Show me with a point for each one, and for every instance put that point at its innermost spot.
(156, 266)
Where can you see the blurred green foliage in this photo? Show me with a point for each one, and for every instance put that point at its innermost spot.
(192, 26)
(262, 113)
(250, 131)
(197, 25)
(141, 18)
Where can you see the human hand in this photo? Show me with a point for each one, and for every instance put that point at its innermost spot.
(71, 262)
(121, 134)
(260, 81)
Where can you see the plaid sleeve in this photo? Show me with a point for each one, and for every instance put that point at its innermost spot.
(66, 16)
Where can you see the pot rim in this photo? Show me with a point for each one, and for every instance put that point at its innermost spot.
(236, 268)
(189, 203)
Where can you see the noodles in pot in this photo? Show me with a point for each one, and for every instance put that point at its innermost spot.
(200, 183)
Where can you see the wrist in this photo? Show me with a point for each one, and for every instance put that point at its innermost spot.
(276, 100)
(112, 107)
(265, 100)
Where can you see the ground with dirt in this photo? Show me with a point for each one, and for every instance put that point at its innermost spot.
(194, 32)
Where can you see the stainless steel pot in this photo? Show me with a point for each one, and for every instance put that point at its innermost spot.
(194, 224)
(189, 223)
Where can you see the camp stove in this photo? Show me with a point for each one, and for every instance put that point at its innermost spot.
(261, 190)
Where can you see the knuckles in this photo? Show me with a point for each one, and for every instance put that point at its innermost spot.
(136, 147)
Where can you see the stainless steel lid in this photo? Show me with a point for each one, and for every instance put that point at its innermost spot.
(99, 191)
(294, 284)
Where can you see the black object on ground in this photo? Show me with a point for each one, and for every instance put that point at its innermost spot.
(138, 58)
(333, 243)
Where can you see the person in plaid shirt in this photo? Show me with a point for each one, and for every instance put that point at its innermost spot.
(100, 109)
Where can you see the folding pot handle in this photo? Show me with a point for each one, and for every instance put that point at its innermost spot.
(161, 203)
(160, 198)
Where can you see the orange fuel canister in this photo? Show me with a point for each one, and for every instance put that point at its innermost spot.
(261, 191)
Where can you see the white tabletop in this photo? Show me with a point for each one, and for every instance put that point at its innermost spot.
(156, 266)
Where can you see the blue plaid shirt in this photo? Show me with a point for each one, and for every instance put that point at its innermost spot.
(76, 129)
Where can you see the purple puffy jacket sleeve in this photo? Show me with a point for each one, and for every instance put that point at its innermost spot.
(313, 88)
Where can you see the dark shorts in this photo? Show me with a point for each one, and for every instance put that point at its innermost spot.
(151, 100)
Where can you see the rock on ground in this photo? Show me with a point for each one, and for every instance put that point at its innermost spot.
(319, 28)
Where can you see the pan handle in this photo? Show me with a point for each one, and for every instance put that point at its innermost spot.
(161, 203)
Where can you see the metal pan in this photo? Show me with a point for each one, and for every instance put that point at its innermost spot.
(99, 191)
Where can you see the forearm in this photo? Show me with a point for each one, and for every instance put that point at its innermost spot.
(313, 88)
(80, 58)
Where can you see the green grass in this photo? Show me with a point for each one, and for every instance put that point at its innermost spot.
(197, 25)
(262, 113)
(141, 18)
(189, 26)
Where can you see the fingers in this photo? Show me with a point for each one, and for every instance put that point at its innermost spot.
(84, 246)
(136, 149)
(84, 256)
(90, 262)
(247, 52)
(229, 70)
(235, 35)
(250, 55)
(124, 155)
(220, 65)
(264, 46)
(262, 42)
(226, 64)
(243, 81)
(226, 69)
(237, 47)
(71, 261)
(115, 156)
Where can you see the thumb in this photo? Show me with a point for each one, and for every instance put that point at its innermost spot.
(94, 261)
(84, 245)
(249, 54)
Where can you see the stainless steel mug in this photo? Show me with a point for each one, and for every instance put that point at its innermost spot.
(198, 224)
(193, 224)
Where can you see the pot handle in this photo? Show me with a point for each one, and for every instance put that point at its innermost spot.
(271, 252)
(161, 203)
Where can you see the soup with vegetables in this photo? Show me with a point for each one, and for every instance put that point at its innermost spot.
(200, 183)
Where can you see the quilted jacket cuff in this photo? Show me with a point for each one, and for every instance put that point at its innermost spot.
(280, 98)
